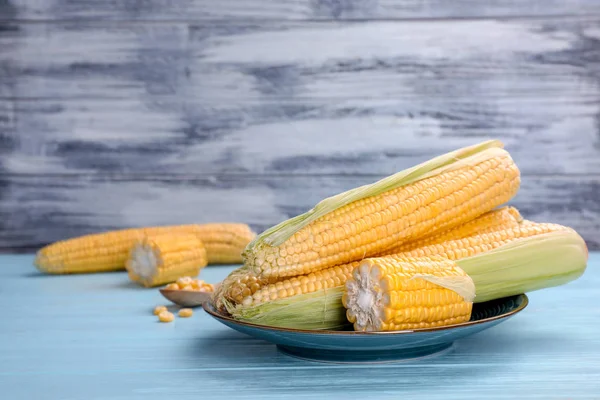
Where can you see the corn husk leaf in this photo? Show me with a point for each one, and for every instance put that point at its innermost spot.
(526, 265)
(322, 309)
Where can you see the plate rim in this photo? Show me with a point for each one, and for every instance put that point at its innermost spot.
(212, 311)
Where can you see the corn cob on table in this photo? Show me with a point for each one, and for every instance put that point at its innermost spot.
(100, 336)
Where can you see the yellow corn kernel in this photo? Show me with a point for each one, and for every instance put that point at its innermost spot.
(374, 224)
(242, 287)
(159, 259)
(166, 316)
(492, 221)
(185, 312)
(321, 280)
(159, 309)
(108, 251)
(388, 294)
(201, 286)
(184, 281)
(172, 286)
(479, 243)
(225, 242)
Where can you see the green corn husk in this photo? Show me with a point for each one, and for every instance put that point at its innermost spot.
(314, 311)
(522, 266)
(525, 265)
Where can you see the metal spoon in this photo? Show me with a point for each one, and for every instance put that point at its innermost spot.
(187, 298)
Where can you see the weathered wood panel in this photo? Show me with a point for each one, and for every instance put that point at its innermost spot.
(106, 124)
(38, 209)
(374, 98)
(194, 10)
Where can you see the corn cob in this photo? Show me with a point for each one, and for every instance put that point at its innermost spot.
(158, 259)
(511, 261)
(386, 294)
(492, 221)
(490, 230)
(399, 293)
(480, 243)
(224, 242)
(433, 197)
(243, 286)
(108, 251)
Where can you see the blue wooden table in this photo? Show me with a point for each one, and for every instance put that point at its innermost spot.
(94, 337)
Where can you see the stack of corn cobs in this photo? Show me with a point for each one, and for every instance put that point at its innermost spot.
(414, 250)
(152, 256)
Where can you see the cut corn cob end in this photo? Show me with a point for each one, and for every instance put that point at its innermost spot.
(158, 259)
(406, 294)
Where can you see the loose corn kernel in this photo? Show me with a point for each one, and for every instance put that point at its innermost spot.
(166, 316)
(184, 281)
(185, 312)
(172, 286)
(201, 286)
(159, 309)
(196, 283)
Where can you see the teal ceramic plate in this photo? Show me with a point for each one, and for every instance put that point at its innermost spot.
(356, 347)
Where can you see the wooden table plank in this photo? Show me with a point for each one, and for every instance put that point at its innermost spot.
(94, 336)
(194, 10)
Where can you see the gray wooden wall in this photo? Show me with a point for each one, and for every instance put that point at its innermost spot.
(126, 113)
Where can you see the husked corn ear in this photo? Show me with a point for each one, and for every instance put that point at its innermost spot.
(480, 243)
(387, 294)
(159, 259)
(108, 251)
(321, 280)
(245, 287)
(441, 200)
(492, 221)
(97, 252)
(225, 242)
(532, 257)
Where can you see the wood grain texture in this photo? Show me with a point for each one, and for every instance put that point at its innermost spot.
(174, 98)
(101, 342)
(35, 210)
(194, 10)
(107, 124)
